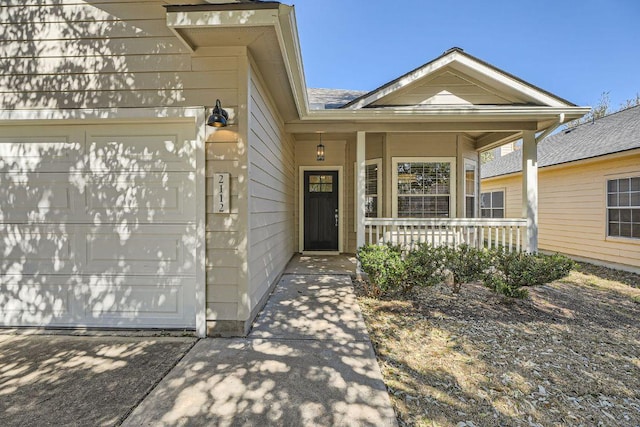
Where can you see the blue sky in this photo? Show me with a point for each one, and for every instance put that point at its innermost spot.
(574, 49)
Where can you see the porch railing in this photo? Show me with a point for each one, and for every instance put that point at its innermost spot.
(478, 232)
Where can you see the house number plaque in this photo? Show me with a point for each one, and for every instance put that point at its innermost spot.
(221, 194)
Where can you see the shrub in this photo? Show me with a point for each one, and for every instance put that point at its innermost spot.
(384, 266)
(465, 263)
(512, 272)
(423, 267)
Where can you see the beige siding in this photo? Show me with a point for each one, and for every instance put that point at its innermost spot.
(271, 194)
(572, 210)
(104, 55)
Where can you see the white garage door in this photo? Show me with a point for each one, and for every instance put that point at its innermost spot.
(97, 226)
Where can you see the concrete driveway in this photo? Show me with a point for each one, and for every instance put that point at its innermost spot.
(308, 361)
(80, 380)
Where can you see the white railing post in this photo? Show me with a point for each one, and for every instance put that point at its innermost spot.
(530, 188)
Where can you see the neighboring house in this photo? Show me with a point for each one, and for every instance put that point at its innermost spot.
(120, 208)
(589, 189)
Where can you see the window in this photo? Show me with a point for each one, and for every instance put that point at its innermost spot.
(424, 187)
(373, 187)
(492, 204)
(623, 207)
(470, 188)
(373, 178)
(320, 184)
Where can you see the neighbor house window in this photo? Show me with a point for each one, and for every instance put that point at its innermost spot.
(424, 187)
(623, 207)
(470, 188)
(492, 204)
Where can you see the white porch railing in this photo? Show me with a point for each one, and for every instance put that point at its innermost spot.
(478, 232)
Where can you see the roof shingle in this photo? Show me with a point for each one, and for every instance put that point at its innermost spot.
(614, 133)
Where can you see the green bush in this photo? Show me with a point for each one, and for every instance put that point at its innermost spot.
(384, 266)
(512, 272)
(465, 263)
(424, 266)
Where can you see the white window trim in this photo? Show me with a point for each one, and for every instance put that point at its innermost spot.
(473, 163)
(378, 162)
(452, 183)
(607, 236)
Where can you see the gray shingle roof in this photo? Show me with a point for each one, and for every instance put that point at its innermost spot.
(611, 134)
(324, 99)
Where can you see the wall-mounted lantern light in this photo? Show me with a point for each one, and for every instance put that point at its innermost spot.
(320, 151)
(219, 117)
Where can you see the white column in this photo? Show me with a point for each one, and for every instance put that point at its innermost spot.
(360, 188)
(530, 188)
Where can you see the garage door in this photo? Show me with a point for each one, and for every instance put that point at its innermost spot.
(97, 226)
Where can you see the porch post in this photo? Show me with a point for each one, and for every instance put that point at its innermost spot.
(360, 188)
(530, 188)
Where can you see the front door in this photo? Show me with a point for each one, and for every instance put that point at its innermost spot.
(321, 211)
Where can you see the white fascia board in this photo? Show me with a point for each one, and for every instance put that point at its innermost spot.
(13, 117)
(465, 61)
(406, 80)
(287, 33)
(479, 113)
(510, 82)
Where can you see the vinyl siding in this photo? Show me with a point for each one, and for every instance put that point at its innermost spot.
(271, 193)
(106, 54)
(572, 211)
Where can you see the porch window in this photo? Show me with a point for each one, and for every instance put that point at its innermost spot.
(424, 187)
(373, 185)
(470, 188)
(492, 204)
(623, 207)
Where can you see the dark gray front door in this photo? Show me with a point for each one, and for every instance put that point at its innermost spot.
(321, 211)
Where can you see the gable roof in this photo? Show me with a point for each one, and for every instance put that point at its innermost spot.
(614, 133)
(490, 80)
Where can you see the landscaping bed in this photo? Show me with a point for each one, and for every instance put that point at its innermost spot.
(569, 354)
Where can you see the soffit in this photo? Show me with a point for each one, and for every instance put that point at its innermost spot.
(256, 26)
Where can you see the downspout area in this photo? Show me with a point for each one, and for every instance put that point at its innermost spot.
(551, 128)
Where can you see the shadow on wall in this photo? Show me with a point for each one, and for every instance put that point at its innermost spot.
(96, 229)
(98, 55)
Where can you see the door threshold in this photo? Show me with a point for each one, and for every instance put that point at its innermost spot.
(316, 253)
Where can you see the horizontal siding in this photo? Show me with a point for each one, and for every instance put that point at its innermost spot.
(271, 190)
(75, 54)
(572, 211)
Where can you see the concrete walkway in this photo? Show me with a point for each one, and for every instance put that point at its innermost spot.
(307, 362)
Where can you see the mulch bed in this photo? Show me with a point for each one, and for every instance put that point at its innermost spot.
(567, 355)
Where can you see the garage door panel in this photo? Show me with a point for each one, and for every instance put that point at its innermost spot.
(143, 197)
(128, 153)
(107, 301)
(153, 197)
(37, 249)
(147, 250)
(47, 197)
(98, 225)
(34, 300)
(43, 154)
(72, 248)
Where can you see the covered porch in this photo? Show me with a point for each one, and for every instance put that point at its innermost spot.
(406, 188)
(409, 153)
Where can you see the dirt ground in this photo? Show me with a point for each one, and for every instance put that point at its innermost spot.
(569, 355)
